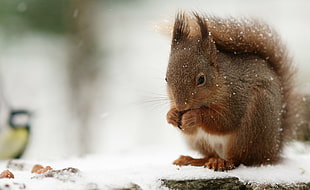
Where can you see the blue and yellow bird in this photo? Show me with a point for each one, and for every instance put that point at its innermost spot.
(15, 136)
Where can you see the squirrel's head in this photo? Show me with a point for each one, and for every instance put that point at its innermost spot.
(192, 69)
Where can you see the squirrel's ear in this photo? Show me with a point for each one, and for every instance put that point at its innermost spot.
(207, 43)
(180, 29)
(204, 32)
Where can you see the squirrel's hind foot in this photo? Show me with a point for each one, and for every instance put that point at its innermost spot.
(216, 164)
(219, 164)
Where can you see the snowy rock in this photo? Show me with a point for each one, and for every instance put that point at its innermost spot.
(68, 174)
(228, 183)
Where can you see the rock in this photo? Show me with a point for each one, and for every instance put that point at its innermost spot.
(65, 175)
(12, 186)
(132, 186)
(15, 165)
(232, 183)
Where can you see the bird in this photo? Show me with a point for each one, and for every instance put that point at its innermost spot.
(14, 137)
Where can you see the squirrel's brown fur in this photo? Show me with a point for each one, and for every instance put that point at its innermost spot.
(230, 82)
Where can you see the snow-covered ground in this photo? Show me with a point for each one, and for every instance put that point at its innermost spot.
(146, 168)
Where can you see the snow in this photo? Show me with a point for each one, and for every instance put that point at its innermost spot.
(146, 167)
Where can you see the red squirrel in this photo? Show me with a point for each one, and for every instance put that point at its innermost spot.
(231, 88)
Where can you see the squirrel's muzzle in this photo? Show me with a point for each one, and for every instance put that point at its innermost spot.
(182, 106)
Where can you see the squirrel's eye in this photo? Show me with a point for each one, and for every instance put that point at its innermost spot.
(166, 79)
(201, 79)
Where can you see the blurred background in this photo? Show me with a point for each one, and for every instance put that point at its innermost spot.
(92, 71)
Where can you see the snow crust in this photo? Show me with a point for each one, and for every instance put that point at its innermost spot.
(145, 167)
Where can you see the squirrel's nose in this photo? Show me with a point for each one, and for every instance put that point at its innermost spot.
(182, 106)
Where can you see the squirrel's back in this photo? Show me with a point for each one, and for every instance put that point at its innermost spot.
(252, 36)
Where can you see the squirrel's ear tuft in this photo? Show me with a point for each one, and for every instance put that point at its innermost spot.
(181, 28)
(202, 26)
(207, 44)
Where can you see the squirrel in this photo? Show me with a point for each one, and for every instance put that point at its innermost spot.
(231, 88)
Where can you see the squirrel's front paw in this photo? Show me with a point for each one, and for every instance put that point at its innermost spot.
(174, 117)
(190, 120)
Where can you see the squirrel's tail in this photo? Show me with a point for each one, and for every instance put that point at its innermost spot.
(255, 37)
